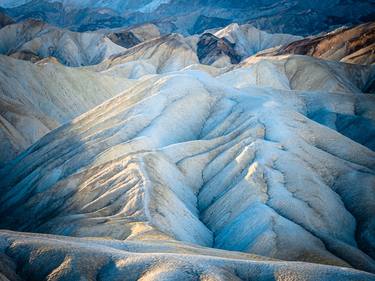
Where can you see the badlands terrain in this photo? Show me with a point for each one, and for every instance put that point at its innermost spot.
(146, 152)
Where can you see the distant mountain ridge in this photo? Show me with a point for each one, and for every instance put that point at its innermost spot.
(195, 16)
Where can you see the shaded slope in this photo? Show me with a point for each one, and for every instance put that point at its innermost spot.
(211, 49)
(47, 96)
(5, 19)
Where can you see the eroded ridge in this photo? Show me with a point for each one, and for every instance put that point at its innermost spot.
(188, 158)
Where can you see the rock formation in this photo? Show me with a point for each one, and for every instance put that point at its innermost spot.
(211, 49)
(352, 45)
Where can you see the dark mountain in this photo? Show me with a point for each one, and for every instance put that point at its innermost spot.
(211, 48)
(195, 16)
(5, 19)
